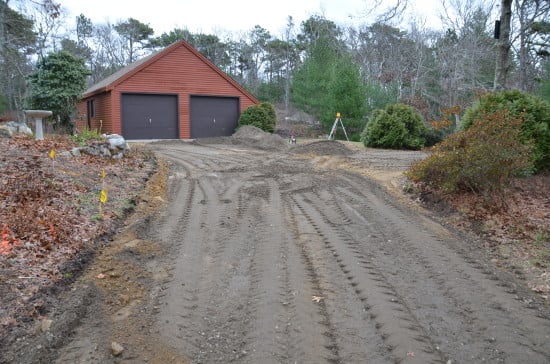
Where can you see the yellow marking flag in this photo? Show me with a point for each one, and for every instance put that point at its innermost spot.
(103, 197)
(52, 154)
(103, 174)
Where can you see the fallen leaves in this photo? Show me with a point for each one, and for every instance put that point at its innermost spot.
(50, 215)
(516, 232)
(7, 240)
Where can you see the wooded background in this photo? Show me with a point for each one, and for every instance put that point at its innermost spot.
(317, 66)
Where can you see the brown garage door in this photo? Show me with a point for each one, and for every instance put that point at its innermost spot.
(146, 116)
(213, 116)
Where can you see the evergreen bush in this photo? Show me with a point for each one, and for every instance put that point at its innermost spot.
(57, 84)
(532, 110)
(481, 159)
(398, 126)
(262, 116)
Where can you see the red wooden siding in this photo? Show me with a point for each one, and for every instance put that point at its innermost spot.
(176, 70)
(102, 119)
(81, 110)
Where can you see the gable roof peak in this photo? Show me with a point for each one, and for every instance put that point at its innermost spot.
(128, 71)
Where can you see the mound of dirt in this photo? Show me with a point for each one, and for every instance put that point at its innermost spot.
(252, 136)
(323, 147)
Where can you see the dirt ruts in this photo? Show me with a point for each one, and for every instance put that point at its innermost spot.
(289, 255)
(277, 260)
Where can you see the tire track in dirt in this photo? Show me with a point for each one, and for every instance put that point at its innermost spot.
(470, 313)
(234, 305)
(386, 255)
(383, 311)
(266, 291)
(266, 309)
(306, 321)
(259, 235)
(202, 263)
(171, 231)
(207, 157)
(217, 305)
(317, 332)
(221, 288)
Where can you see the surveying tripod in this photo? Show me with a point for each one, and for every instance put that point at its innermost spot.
(335, 125)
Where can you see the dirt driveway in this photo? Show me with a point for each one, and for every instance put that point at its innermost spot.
(288, 255)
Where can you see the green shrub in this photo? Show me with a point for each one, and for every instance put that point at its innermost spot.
(398, 126)
(86, 135)
(261, 116)
(532, 110)
(482, 158)
(432, 137)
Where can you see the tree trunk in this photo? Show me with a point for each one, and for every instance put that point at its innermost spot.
(523, 28)
(503, 66)
(287, 84)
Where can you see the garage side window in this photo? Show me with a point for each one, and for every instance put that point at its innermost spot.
(91, 108)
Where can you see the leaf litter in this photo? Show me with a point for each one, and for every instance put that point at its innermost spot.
(51, 221)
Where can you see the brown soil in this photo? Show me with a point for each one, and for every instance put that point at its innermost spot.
(248, 250)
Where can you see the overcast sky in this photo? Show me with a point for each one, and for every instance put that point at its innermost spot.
(217, 16)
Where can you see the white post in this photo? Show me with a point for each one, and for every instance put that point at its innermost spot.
(39, 130)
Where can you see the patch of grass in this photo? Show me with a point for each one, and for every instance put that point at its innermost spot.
(97, 217)
(541, 238)
(409, 187)
(87, 201)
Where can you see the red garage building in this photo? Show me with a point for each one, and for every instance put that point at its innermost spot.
(175, 93)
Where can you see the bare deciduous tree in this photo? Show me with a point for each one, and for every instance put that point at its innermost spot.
(384, 13)
(529, 13)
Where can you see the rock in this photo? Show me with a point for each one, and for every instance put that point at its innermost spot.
(114, 147)
(116, 348)
(45, 325)
(104, 151)
(76, 152)
(5, 132)
(19, 127)
(89, 150)
(116, 141)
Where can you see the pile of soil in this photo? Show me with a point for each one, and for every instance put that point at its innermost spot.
(252, 136)
(248, 136)
(323, 147)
